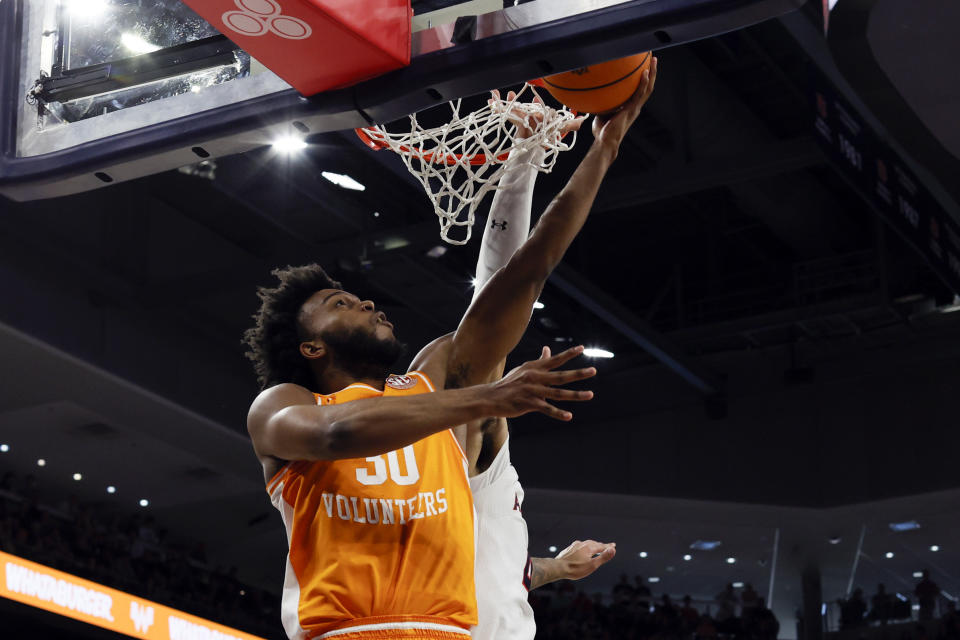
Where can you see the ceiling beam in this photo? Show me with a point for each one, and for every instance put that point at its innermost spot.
(636, 329)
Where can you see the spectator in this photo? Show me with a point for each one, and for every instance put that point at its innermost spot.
(643, 592)
(927, 593)
(853, 610)
(727, 610)
(950, 622)
(689, 617)
(881, 605)
(749, 599)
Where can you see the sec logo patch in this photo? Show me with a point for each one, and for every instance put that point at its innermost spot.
(400, 383)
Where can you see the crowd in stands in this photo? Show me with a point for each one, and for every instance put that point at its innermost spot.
(129, 552)
(890, 615)
(888, 607)
(563, 613)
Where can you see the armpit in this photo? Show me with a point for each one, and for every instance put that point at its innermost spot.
(457, 376)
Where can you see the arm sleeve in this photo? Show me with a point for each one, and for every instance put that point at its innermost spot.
(508, 224)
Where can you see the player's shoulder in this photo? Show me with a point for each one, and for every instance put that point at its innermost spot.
(274, 399)
(432, 359)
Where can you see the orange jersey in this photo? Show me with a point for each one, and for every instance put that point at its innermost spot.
(383, 546)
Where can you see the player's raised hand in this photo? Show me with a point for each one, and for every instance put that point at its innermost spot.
(530, 386)
(609, 129)
(526, 120)
(584, 557)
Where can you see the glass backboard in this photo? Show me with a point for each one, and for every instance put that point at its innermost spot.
(95, 92)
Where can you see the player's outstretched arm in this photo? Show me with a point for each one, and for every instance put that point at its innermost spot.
(495, 322)
(577, 561)
(285, 422)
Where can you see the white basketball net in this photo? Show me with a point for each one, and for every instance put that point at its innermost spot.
(459, 162)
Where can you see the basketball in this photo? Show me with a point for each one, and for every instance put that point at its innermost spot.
(601, 87)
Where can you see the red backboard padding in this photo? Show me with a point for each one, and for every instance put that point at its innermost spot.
(316, 45)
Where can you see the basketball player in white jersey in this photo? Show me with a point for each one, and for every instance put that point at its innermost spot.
(505, 573)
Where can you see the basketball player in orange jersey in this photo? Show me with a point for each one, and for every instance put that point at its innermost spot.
(368, 476)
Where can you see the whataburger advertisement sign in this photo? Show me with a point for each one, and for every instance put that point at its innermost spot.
(73, 597)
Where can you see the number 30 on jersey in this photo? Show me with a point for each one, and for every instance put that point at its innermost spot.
(378, 475)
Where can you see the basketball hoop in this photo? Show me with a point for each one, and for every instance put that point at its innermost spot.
(459, 162)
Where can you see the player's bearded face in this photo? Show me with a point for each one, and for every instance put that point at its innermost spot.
(359, 351)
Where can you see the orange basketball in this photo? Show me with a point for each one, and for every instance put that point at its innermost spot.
(600, 87)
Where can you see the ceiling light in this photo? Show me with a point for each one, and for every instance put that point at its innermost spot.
(136, 44)
(738, 585)
(4, 448)
(376, 214)
(653, 579)
(688, 557)
(144, 502)
(918, 574)
(342, 180)
(731, 560)
(934, 547)
(909, 525)
(78, 477)
(538, 305)
(111, 489)
(41, 462)
(436, 252)
(889, 554)
(474, 282)
(642, 554)
(594, 352)
(705, 545)
(901, 597)
(289, 144)
(552, 549)
(834, 540)
(823, 609)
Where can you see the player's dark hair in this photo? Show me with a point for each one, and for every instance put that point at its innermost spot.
(274, 340)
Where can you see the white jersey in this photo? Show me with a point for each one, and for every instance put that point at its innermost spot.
(502, 567)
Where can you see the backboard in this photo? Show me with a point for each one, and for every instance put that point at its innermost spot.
(94, 92)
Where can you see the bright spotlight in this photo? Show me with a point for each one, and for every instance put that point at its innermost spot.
(593, 352)
(474, 282)
(552, 549)
(934, 548)
(918, 574)
(4, 448)
(737, 585)
(342, 180)
(144, 502)
(41, 462)
(688, 557)
(78, 477)
(538, 305)
(111, 489)
(889, 554)
(731, 560)
(653, 579)
(642, 554)
(89, 9)
(290, 144)
(136, 44)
